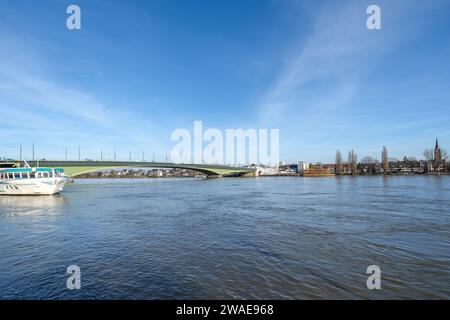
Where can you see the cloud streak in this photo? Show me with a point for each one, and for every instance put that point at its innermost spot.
(40, 108)
(320, 97)
(325, 71)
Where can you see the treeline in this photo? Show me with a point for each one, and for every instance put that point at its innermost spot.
(352, 162)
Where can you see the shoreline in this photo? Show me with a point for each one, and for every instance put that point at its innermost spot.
(272, 176)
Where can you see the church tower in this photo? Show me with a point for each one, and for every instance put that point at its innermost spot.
(437, 152)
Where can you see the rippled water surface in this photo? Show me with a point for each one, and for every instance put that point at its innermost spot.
(282, 238)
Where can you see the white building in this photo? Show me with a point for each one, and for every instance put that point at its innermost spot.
(302, 166)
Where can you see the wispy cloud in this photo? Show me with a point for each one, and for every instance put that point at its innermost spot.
(321, 99)
(324, 72)
(335, 83)
(42, 107)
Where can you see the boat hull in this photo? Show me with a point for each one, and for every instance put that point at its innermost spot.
(36, 186)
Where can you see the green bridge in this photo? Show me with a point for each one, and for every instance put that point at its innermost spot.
(76, 168)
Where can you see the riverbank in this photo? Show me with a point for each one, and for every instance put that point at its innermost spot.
(142, 174)
(202, 176)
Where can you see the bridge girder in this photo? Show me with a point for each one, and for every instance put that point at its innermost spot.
(76, 168)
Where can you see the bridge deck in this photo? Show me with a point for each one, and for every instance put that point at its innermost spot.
(74, 168)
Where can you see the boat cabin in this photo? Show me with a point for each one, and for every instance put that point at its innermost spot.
(30, 173)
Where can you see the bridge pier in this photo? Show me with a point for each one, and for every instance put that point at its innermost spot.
(250, 174)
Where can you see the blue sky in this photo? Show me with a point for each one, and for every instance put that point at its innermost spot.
(137, 70)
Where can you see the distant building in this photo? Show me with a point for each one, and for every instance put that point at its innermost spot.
(437, 152)
(319, 171)
(345, 168)
(302, 166)
(267, 171)
(439, 164)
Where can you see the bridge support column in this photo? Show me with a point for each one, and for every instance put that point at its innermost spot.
(251, 174)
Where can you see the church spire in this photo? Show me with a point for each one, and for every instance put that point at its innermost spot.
(437, 152)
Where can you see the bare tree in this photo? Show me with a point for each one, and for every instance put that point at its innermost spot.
(353, 161)
(385, 160)
(444, 154)
(339, 163)
(428, 154)
(368, 159)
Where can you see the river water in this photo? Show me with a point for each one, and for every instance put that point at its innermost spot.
(253, 238)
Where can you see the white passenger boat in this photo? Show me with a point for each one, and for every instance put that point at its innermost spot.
(31, 181)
